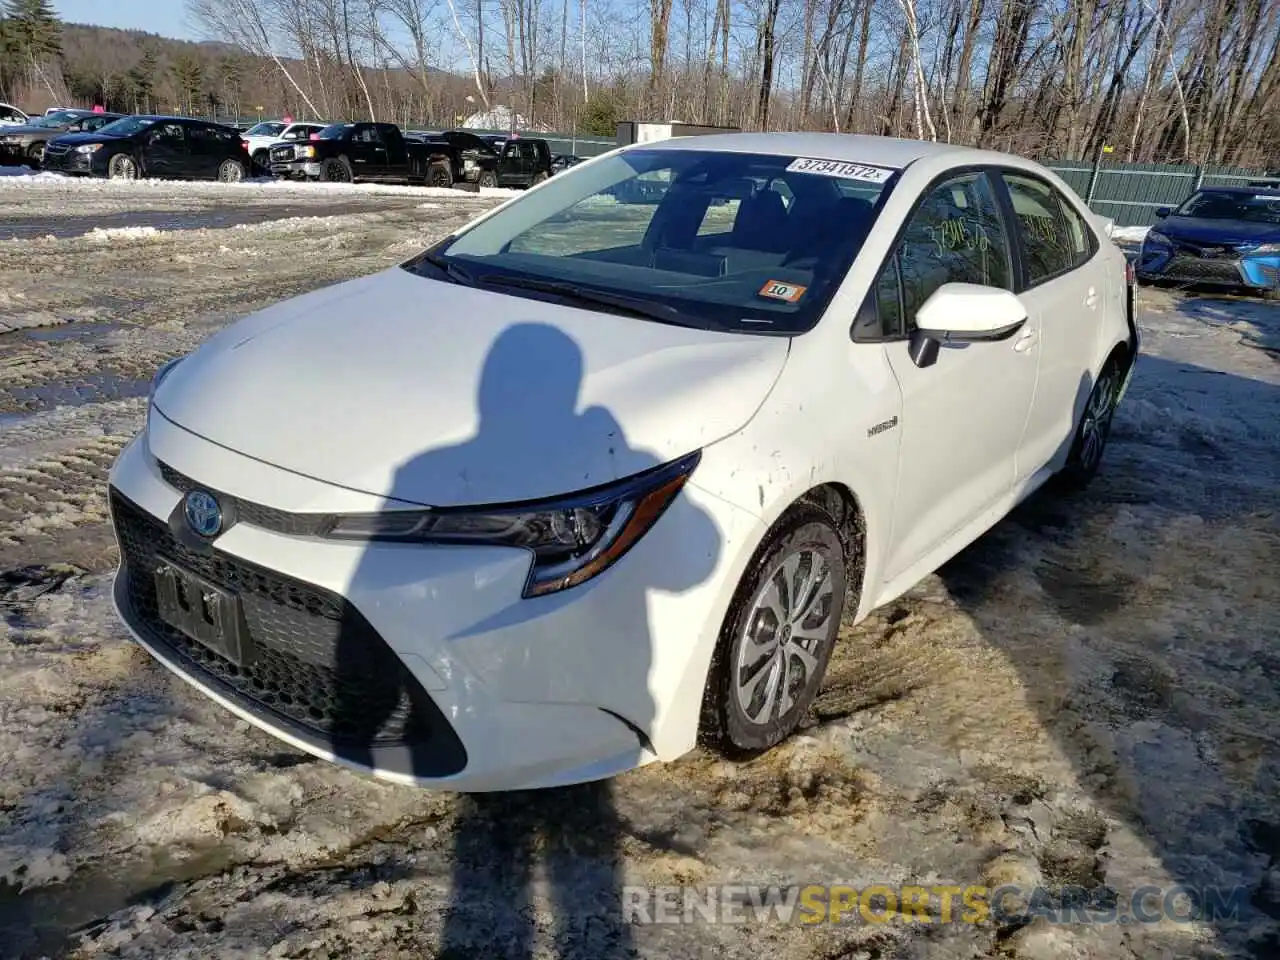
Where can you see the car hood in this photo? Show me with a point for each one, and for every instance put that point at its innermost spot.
(1218, 231)
(73, 139)
(27, 130)
(444, 395)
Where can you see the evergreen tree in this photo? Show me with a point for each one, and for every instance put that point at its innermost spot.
(34, 28)
(141, 80)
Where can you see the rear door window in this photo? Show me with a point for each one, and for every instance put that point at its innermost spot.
(1054, 237)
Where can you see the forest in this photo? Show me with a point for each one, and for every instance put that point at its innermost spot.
(1171, 81)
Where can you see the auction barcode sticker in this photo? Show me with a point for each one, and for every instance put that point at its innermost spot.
(839, 168)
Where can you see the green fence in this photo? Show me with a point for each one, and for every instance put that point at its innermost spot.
(1130, 193)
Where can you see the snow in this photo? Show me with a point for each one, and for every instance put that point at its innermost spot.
(1088, 694)
(1129, 234)
(19, 178)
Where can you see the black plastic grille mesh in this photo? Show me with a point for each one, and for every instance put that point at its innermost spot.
(268, 518)
(1192, 268)
(317, 661)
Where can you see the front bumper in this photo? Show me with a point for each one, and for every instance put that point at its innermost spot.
(423, 664)
(1184, 266)
(67, 162)
(296, 168)
(13, 154)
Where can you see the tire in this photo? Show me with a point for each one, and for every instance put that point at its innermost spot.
(1092, 432)
(1271, 294)
(336, 171)
(538, 178)
(35, 154)
(439, 175)
(122, 167)
(488, 180)
(762, 680)
(231, 171)
(262, 159)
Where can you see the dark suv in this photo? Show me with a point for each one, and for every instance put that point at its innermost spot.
(514, 162)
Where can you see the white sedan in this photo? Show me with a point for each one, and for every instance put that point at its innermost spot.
(601, 473)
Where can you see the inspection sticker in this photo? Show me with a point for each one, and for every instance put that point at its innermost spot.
(838, 168)
(781, 290)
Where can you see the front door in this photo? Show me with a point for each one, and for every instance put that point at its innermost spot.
(963, 415)
(511, 166)
(165, 150)
(1065, 292)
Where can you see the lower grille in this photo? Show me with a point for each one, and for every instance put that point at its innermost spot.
(319, 666)
(1192, 268)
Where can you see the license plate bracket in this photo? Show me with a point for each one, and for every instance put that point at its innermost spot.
(203, 611)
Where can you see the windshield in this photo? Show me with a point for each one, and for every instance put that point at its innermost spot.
(744, 242)
(59, 119)
(1226, 205)
(126, 126)
(335, 131)
(264, 130)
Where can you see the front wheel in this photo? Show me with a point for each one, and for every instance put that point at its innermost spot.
(538, 178)
(1094, 428)
(35, 154)
(488, 179)
(231, 171)
(336, 171)
(777, 636)
(122, 167)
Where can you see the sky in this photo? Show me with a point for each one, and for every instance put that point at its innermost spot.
(168, 18)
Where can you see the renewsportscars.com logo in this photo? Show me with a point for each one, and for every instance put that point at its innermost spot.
(936, 904)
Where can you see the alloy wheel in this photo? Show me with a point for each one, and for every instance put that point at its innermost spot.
(779, 653)
(230, 172)
(123, 168)
(1095, 423)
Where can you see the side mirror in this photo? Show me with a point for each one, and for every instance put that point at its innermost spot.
(1162, 212)
(964, 313)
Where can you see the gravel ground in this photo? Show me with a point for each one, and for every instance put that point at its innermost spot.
(1087, 697)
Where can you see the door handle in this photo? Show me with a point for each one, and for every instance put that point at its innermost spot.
(1026, 340)
(1091, 299)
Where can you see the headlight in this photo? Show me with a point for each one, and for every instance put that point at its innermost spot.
(1157, 239)
(160, 374)
(88, 147)
(572, 539)
(304, 151)
(1262, 249)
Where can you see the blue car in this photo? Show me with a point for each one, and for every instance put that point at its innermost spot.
(1222, 236)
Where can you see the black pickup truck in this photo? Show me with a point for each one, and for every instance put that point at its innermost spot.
(490, 161)
(348, 152)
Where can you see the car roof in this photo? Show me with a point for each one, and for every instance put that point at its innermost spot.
(852, 148)
(1244, 191)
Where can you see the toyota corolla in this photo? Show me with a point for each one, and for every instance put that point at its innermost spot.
(589, 480)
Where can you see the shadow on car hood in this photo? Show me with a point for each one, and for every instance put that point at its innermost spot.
(445, 395)
(1199, 230)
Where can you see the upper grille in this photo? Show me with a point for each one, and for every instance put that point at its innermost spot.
(282, 153)
(256, 514)
(318, 663)
(56, 149)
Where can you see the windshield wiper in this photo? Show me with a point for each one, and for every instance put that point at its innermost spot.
(453, 273)
(614, 302)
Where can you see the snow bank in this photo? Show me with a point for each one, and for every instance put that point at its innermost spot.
(1129, 234)
(18, 178)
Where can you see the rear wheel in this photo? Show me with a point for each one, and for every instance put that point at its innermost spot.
(122, 167)
(262, 159)
(231, 171)
(439, 175)
(1094, 428)
(488, 179)
(777, 636)
(337, 170)
(538, 178)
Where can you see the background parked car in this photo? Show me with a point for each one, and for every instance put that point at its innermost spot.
(26, 144)
(261, 137)
(563, 161)
(347, 152)
(1220, 236)
(152, 146)
(11, 116)
(521, 162)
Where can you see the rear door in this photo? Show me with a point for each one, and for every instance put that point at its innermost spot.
(397, 158)
(511, 165)
(205, 151)
(367, 152)
(164, 150)
(1064, 287)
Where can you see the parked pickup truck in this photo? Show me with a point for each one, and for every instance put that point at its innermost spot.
(348, 152)
(508, 162)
